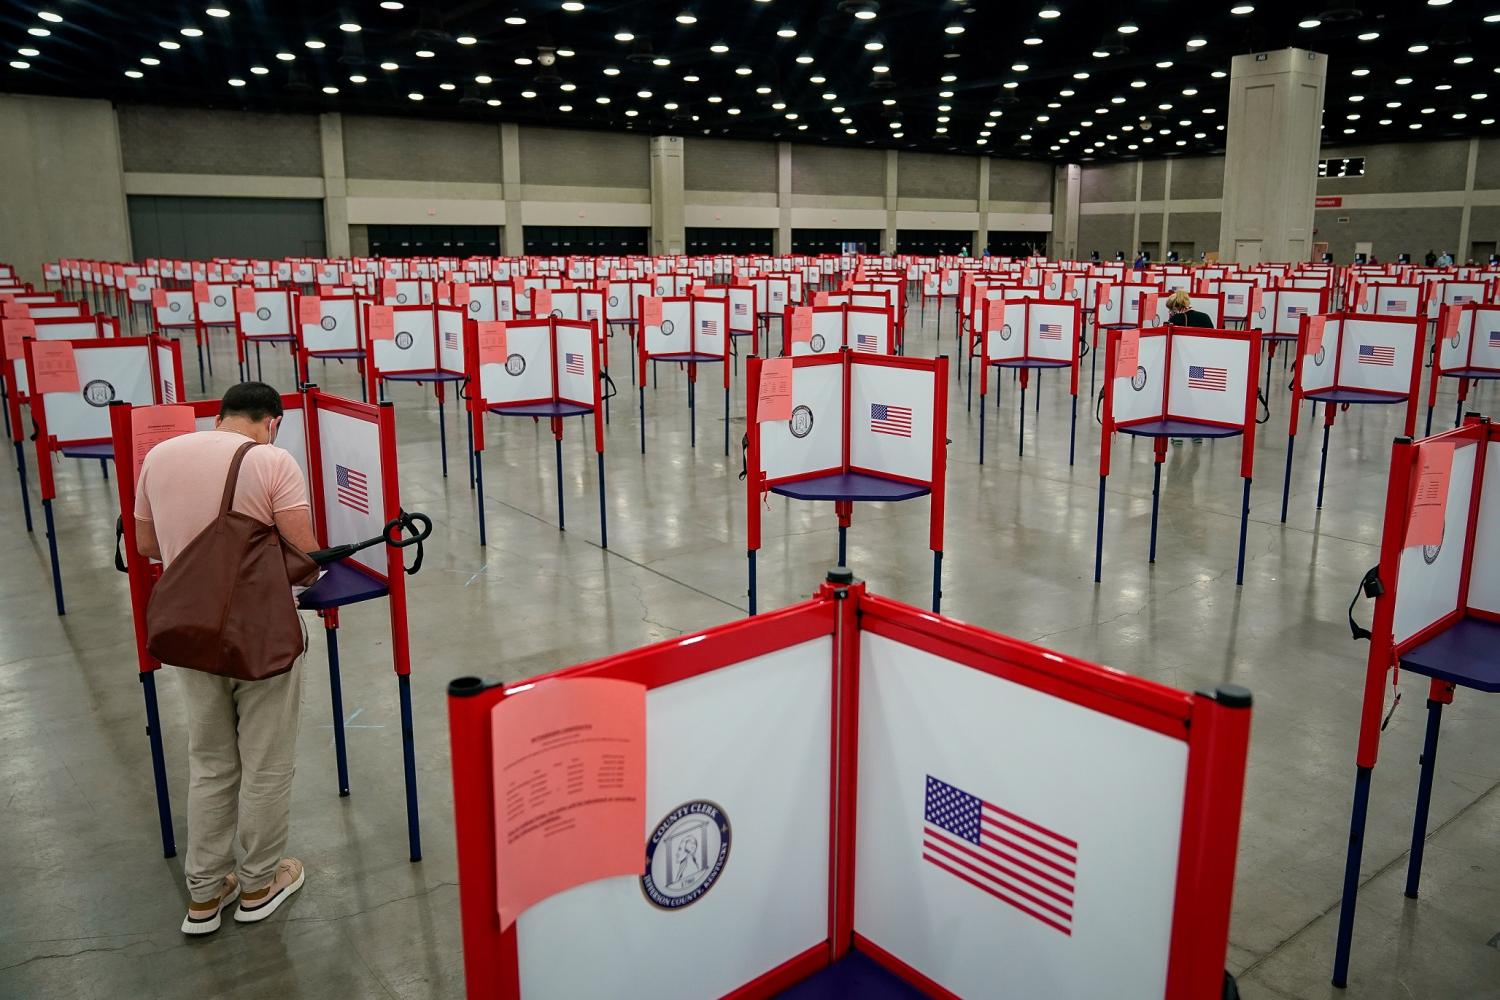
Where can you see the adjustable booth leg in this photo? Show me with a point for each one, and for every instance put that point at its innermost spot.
(260, 372)
(1428, 431)
(25, 487)
(202, 382)
(1351, 876)
(1073, 431)
(5, 409)
(1323, 463)
(469, 439)
(971, 383)
(606, 398)
(1269, 355)
(1099, 532)
(1239, 573)
(692, 416)
(1424, 794)
(562, 519)
(603, 510)
(643, 416)
(1286, 479)
(158, 765)
(479, 492)
(1021, 438)
(937, 580)
(1458, 414)
(409, 764)
(336, 695)
(442, 429)
(104, 468)
(981, 427)
(1038, 393)
(726, 421)
(1155, 505)
(57, 588)
(1093, 368)
(845, 511)
(750, 555)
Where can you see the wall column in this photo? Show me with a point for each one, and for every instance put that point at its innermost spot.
(335, 186)
(1166, 208)
(1135, 211)
(982, 234)
(668, 233)
(888, 238)
(1271, 156)
(783, 242)
(1461, 252)
(1066, 181)
(514, 244)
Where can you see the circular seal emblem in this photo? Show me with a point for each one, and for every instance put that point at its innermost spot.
(801, 424)
(1005, 332)
(1453, 340)
(403, 340)
(262, 313)
(614, 300)
(1430, 552)
(1138, 380)
(1322, 353)
(515, 364)
(817, 342)
(221, 301)
(685, 855)
(401, 297)
(667, 326)
(98, 393)
(474, 306)
(556, 314)
(174, 306)
(328, 322)
(1261, 313)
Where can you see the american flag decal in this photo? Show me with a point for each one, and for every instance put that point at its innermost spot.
(169, 389)
(739, 309)
(573, 364)
(1295, 310)
(1235, 298)
(450, 339)
(892, 420)
(1021, 863)
(1395, 305)
(1371, 354)
(1494, 339)
(353, 488)
(1204, 377)
(866, 342)
(709, 327)
(1050, 331)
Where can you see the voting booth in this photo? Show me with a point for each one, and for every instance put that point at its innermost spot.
(937, 810)
(72, 384)
(172, 311)
(828, 329)
(330, 328)
(262, 316)
(1437, 614)
(416, 343)
(1468, 350)
(1178, 382)
(544, 369)
(690, 330)
(1277, 313)
(347, 452)
(1030, 335)
(1348, 359)
(847, 428)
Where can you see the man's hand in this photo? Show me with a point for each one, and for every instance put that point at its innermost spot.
(296, 527)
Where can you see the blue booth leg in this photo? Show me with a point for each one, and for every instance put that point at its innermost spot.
(643, 416)
(1155, 506)
(843, 547)
(336, 695)
(981, 427)
(1458, 414)
(479, 492)
(5, 409)
(603, 510)
(1351, 876)
(409, 762)
(469, 438)
(1099, 533)
(25, 487)
(726, 422)
(57, 588)
(1021, 438)
(1323, 465)
(751, 556)
(1428, 431)
(562, 517)
(1239, 573)
(158, 765)
(937, 580)
(1286, 479)
(1073, 432)
(443, 432)
(1424, 798)
(692, 416)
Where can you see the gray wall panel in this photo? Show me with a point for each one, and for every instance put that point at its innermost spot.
(1487, 169)
(935, 175)
(1105, 233)
(199, 228)
(556, 156)
(1107, 182)
(1405, 166)
(728, 165)
(1390, 230)
(1020, 180)
(1201, 229)
(1198, 177)
(838, 171)
(1153, 180)
(200, 141)
(414, 149)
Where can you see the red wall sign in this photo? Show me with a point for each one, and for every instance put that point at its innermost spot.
(1328, 201)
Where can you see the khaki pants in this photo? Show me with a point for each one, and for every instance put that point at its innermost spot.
(242, 741)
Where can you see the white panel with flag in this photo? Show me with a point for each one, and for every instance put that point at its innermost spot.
(1208, 378)
(413, 348)
(1006, 342)
(890, 420)
(1428, 577)
(1138, 395)
(741, 309)
(1291, 305)
(1484, 572)
(1457, 293)
(1320, 368)
(219, 309)
(673, 334)
(1377, 355)
(1236, 299)
(868, 330)
(591, 306)
(710, 326)
(353, 485)
(450, 323)
(1049, 330)
(337, 328)
(813, 439)
(409, 292)
(827, 334)
(576, 364)
(481, 304)
(271, 317)
(619, 301)
(1009, 843)
(1397, 300)
(1109, 310)
(526, 373)
(707, 741)
(1453, 350)
(1485, 330)
(166, 374)
(117, 373)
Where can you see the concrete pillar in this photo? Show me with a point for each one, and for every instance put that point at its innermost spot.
(1271, 155)
(1066, 181)
(783, 242)
(1166, 209)
(888, 238)
(982, 234)
(1462, 252)
(1135, 217)
(668, 233)
(514, 242)
(335, 186)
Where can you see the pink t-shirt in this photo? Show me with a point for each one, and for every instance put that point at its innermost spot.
(182, 484)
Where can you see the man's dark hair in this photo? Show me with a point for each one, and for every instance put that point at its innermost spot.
(253, 400)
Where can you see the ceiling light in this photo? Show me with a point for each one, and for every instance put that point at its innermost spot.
(565, 107)
(954, 29)
(388, 66)
(1478, 97)
(791, 116)
(1026, 136)
(1197, 43)
(259, 70)
(670, 105)
(941, 129)
(731, 111)
(1117, 100)
(1443, 86)
(631, 113)
(1415, 125)
(787, 32)
(493, 102)
(943, 118)
(718, 47)
(235, 81)
(611, 71)
(865, 14)
(1020, 67)
(1044, 118)
(330, 90)
(1164, 107)
(150, 61)
(1053, 104)
(1066, 93)
(661, 61)
(742, 71)
(644, 95)
(572, 6)
(1393, 104)
(1241, 8)
(1463, 60)
(889, 102)
(528, 94)
(874, 46)
(778, 105)
(520, 60)
(570, 87)
(1459, 115)
(1137, 84)
(1081, 75)
(22, 64)
(192, 32)
(880, 68)
(762, 90)
(392, 4)
(481, 78)
(1101, 54)
(837, 109)
(715, 99)
(687, 18)
(1491, 19)
(349, 26)
(624, 36)
(358, 78)
(216, 12)
(1310, 22)
(1127, 29)
(29, 53)
(1416, 49)
(1369, 36)
(313, 43)
(515, 19)
(446, 86)
(1428, 111)
(1218, 74)
(1438, 3)
(1402, 81)
(38, 32)
(1164, 64)
(170, 46)
(414, 96)
(1033, 40)
(466, 40)
(1487, 121)
(691, 78)
(948, 78)
(1356, 98)
(134, 74)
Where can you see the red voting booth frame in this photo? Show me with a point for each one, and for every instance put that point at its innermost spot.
(1162, 425)
(692, 357)
(100, 447)
(349, 581)
(270, 306)
(346, 346)
(846, 484)
(556, 407)
(377, 374)
(1213, 725)
(1456, 649)
(1339, 393)
(1030, 360)
(1455, 358)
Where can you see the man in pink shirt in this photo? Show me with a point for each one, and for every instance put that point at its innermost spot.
(242, 735)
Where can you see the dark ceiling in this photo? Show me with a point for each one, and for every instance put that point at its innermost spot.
(1065, 80)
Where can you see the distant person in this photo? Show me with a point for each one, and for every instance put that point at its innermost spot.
(1374, 260)
(1431, 259)
(1445, 259)
(1140, 261)
(242, 735)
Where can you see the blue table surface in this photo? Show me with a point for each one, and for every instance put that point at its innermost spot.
(88, 451)
(1474, 373)
(341, 584)
(1466, 653)
(1179, 428)
(1353, 396)
(352, 354)
(854, 975)
(1032, 363)
(701, 359)
(422, 376)
(850, 486)
(540, 409)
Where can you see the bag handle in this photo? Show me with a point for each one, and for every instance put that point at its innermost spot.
(234, 478)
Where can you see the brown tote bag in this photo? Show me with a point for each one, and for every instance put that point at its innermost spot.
(225, 604)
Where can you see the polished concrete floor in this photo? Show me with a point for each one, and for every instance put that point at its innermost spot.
(89, 908)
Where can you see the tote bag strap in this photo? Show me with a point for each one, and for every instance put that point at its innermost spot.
(234, 478)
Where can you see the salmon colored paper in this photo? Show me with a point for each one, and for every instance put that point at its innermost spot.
(1429, 502)
(151, 425)
(1449, 331)
(244, 300)
(802, 322)
(1102, 291)
(158, 298)
(461, 294)
(1315, 327)
(309, 310)
(388, 288)
(492, 346)
(650, 312)
(1256, 297)
(444, 292)
(1148, 308)
(381, 324)
(1128, 357)
(54, 369)
(994, 314)
(541, 302)
(774, 401)
(200, 291)
(570, 788)
(20, 310)
(16, 330)
(822, 298)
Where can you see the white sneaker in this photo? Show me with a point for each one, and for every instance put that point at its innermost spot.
(206, 921)
(289, 878)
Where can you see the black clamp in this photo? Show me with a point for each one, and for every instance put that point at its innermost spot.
(1371, 587)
